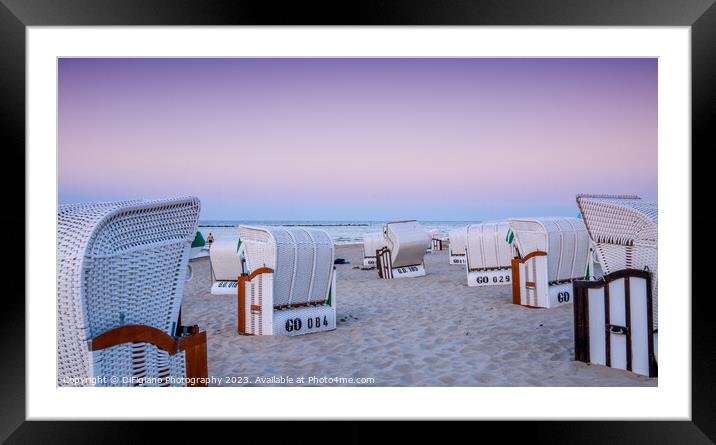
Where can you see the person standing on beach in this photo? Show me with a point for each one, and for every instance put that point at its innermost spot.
(210, 238)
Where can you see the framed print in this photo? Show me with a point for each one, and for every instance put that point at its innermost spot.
(360, 222)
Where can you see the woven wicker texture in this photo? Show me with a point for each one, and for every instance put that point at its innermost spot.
(302, 261)
(487, 246)
(565, 240)
(458, 241)
(120, 263)
(372, 242)
(624, 229)
(407, 241)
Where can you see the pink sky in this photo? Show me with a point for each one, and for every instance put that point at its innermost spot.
(342, 139)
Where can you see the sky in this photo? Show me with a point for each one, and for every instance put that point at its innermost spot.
(358, 139)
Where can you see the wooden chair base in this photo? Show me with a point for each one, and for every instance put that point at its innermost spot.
(193, 345)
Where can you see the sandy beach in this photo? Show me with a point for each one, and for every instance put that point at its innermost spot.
(427, 331)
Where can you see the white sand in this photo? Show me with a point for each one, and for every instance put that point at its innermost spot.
(427, 331)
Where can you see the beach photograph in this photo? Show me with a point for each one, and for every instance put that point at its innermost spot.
(357, 222)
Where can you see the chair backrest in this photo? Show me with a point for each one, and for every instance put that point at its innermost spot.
(565, 240)
(625, 231)
(458, 240)
(225, 260)
(407, 241)
(622, 220)
(372, 242)
(301, 258)
(119, 263)
(487, 245)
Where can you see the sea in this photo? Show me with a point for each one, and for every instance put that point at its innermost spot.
(342, 232)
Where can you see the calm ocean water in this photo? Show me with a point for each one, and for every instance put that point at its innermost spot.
(342, 232)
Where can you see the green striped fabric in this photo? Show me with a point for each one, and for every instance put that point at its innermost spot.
(198, 240)
(510, 237)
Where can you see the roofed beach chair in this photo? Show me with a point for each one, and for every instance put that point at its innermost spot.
(489, 255)
(225, 266)
(436, 244)
(616, 317)
(120, 274)
(289, 285)
(199, 249)
(403, 256)
(458, 239)
(551, 253)
(372, 242)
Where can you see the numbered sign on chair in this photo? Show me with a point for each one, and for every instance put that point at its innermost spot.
(291, 287)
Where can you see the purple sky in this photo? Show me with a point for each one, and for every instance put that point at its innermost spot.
(343, 139)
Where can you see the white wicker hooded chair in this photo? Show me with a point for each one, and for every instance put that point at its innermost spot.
(616, 317)
(457, 244)
(624, 229)
(489, 255)
(403, 256)
(553, 252)
(225, 265)
(372, 242)
(289, 281)
(121, 266)
(487, 247)
(436, 244)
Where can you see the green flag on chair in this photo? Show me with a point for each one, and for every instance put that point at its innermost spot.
(198, 240)
(510, 237)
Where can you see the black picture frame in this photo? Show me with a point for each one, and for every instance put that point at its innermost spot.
(700, 15)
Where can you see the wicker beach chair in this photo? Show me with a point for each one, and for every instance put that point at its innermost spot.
(616, 317)
(372, 242)
(289, 284)
(436, 243)
(624, 229)
(551, 253)
(458, 245)
(225, 266)
(406, 242)
(199, 248)
(489, 255)
(121, 270)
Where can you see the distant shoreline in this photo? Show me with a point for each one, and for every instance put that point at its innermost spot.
(341, 232)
